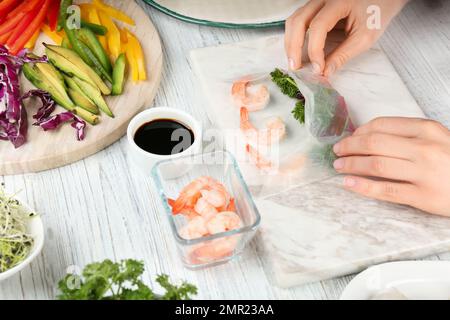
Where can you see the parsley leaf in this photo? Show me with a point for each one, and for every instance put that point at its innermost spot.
(108, 280)
(288, 87)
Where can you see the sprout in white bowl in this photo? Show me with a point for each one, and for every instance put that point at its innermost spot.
(21, 235)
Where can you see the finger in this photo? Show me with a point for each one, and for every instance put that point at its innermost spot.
(405, 127)
(397, 192)
(354, 45)
(323, 22)
(376, 166)
(377, 144)
(295, 30)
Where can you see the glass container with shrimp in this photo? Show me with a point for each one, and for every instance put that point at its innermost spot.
(210, 210)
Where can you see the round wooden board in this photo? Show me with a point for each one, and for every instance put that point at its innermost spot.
(47, 150)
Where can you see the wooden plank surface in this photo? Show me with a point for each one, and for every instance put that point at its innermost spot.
(48, 150)
(102, 207)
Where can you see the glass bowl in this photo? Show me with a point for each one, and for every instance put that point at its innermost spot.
(170, 176)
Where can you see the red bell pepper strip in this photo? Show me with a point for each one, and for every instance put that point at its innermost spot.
(25, 6)
(15, 16)
(6, 5)
(4, 37)
(35, 25)
(11, 23)
(53, 13)
(22, 26)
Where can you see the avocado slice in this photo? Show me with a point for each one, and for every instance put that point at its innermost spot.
(79, 97)
(82, 101)
(94, 94)
(119, 75)
(52, 75)
(37, 78)
(68, 61)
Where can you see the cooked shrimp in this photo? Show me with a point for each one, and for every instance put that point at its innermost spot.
(252, 101)
(223, 221)
(196, 228)
(204, 208)
(214, 251)
(274, 131)
(257, 159)
(190, 194)
(216, 197)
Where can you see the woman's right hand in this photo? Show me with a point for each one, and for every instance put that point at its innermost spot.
(318, 17)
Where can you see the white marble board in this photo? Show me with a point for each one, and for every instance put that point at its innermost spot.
(320, 231)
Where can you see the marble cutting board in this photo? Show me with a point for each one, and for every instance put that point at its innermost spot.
(319, 231)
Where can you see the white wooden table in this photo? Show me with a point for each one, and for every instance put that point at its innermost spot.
(102, 207)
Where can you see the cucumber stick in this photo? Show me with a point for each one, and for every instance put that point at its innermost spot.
(119, 75)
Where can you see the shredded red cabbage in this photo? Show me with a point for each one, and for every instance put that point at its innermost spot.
(47, 122)
(13, 115)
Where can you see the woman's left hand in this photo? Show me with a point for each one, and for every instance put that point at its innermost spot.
(411, 155)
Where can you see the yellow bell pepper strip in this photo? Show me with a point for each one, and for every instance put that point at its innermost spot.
(138, 54)
(126, 48)
(32, 42)
(113, 35)
(123, 40)
(134, 68)
(84, 8)
(113, 12)
(94, 18)
(55, 36)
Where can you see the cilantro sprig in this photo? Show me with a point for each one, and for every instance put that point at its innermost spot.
(108, 280)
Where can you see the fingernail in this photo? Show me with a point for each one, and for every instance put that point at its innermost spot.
(336, 148)
(338, 164)
(330, 70)
(349, 182)
(292, 64)
(315, 68)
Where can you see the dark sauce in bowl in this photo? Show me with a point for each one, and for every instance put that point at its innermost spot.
(164, 137)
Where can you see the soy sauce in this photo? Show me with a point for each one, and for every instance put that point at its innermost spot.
(164, 137)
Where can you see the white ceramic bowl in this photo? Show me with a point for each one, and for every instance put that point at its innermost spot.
(401, 280)
(146, 160)
(36, 230)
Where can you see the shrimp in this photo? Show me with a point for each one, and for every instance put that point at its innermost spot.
(215, 250)
(223, 221)
(190, 194)
(253, 102)
(274, 131)
(216, 197)
(257, 159)
(196, 228)
(204, 208)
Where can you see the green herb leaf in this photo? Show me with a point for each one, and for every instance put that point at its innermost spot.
(288, 87)
(118, 281)
(299, 111)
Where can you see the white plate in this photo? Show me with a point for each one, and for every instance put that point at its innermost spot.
(413, 280)
(36, 230)
(229, 13)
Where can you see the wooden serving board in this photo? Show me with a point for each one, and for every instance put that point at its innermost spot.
(47, 150)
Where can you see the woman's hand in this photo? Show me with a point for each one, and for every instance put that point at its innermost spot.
(318, 17)
(413, 154)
